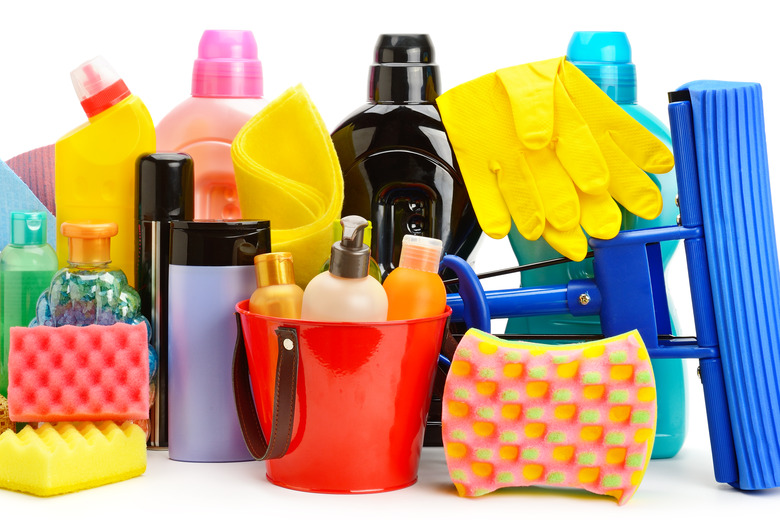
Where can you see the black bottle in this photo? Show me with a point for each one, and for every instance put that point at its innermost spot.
(400, 171)
(164, 193)
(399, 168)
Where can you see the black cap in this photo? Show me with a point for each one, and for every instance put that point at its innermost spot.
(403, 71)
(165, 187)
(219, 242)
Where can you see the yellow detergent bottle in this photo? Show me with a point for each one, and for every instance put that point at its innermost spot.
(95, 163)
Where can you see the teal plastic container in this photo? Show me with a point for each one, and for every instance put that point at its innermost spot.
(26, 267)
(605, 57)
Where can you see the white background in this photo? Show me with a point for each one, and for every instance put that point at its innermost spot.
(328, 46)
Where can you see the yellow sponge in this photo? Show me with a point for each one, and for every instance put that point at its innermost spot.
(66, 457)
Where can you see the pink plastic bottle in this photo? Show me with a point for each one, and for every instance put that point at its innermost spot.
(227, 91)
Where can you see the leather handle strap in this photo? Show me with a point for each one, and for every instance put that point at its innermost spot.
(284, 395)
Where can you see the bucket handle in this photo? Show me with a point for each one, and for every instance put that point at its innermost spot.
(284, 395)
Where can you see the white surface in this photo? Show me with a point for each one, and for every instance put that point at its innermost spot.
(328, 47)
(674, 488)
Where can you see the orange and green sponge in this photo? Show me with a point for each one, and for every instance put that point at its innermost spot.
(523, 414)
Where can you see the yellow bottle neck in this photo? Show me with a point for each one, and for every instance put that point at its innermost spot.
(107, 112)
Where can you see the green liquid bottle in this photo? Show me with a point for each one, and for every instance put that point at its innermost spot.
(27, 265)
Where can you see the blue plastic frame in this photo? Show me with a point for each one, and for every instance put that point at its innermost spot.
(727, 228)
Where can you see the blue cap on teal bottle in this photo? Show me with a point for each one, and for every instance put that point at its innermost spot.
(28, 228)
(605, 57)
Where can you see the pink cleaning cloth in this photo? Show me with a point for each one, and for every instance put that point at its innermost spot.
(69, 373)
(523, 414)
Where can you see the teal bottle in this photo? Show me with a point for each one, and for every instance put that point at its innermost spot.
(605, 57)
(26, 267)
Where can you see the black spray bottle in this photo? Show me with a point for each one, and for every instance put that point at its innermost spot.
(165, 194)
(399, 168)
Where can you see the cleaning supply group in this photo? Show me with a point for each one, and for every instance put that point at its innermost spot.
(233, 192)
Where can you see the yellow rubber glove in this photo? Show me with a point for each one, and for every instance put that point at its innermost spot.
(542, 145)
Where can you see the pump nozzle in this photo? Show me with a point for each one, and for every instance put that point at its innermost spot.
(352, 236)
(350, 257)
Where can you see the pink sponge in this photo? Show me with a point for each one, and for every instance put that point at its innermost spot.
(72, 373)
(520, 414)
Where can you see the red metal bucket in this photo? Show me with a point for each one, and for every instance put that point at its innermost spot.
(355, 419)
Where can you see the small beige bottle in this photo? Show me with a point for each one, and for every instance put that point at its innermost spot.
(276, 294)
(346, 293)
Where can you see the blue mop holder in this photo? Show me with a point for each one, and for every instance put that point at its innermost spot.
(727, 228)
(626, 266)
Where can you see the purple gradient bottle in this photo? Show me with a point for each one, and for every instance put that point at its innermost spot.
(211, 269)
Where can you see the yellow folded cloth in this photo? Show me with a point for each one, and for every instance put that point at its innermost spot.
(287, 172)
(67, 457)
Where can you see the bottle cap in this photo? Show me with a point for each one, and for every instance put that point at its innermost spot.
(166, 187)
(227, 66)
(350, 258)
(89, 242)
(420, 253)
(98, 86)
(403, 70)
(218, 242)
(337, 232)
(274, 269)
(28, 228)
(605, 57)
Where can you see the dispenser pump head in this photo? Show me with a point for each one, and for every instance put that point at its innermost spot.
(350, 257)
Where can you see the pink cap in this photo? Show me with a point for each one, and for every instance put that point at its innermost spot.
(227, 66)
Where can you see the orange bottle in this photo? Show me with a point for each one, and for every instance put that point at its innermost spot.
(414, 288)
